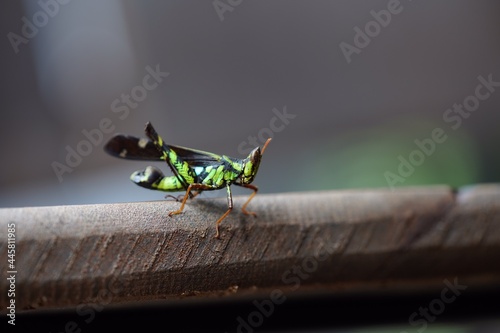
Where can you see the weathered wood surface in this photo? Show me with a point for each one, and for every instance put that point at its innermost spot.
(311, 241)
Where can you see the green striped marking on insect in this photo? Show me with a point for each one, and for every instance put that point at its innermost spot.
(194, 171)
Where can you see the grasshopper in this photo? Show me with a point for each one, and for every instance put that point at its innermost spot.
(194, 170)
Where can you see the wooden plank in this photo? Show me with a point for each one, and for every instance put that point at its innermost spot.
(307, 242)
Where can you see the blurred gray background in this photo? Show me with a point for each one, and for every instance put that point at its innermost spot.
(232, 69)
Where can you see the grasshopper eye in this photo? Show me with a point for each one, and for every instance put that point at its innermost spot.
(255, 156)
(147, 177)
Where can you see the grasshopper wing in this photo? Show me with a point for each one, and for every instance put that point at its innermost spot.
(132, 148)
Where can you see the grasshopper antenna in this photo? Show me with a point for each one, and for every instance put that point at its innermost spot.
(265, 145)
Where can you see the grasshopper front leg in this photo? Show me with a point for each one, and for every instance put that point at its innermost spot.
(244, 208)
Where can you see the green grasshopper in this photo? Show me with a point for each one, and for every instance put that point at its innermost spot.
(194, 170)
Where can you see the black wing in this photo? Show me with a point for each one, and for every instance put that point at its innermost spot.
(194, 157)
(132, 148)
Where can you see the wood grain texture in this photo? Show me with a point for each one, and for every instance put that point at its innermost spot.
(310, 242)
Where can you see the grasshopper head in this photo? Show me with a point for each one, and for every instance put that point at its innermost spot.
(251, 164)
(148, 178)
